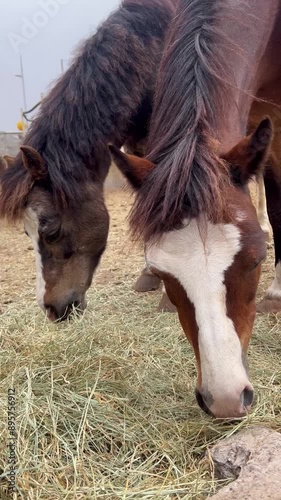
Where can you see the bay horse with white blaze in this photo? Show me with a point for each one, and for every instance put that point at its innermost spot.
(193, 208)
(56, 182)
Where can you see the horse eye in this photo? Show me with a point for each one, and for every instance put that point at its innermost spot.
(52, 237)
(256, 264)
(67, 255)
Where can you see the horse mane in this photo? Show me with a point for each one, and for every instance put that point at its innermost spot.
(193, 85)
(92, 104)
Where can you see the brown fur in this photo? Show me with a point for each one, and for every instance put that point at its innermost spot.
(69, 251)
(92, 104)
(199, 104)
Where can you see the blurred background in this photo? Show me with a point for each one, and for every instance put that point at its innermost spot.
(37, 40)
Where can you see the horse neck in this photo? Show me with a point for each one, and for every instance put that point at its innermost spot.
(204, 90)
(95, 101)
(249, 37)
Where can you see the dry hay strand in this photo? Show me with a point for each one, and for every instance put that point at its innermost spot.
(105, 402)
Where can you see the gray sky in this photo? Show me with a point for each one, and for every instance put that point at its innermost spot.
(43, 32)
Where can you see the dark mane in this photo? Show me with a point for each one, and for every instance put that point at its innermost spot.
(93, 103)
(189, 108)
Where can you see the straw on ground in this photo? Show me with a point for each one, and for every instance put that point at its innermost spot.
(105, 403)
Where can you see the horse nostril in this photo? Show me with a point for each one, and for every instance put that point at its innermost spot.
(247, 396)
(201, 403)
(55, 313)
(61, 313)
(52, 313)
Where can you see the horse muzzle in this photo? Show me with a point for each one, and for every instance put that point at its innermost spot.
(62, 311)
(234, 404)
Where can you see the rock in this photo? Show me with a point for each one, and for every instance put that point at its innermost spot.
(253, 458)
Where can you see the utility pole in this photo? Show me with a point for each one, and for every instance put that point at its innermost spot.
(21, 75)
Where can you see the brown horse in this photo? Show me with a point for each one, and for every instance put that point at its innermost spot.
(56, 182)
(193, 209)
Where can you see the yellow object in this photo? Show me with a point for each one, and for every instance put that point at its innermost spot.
(21, 126)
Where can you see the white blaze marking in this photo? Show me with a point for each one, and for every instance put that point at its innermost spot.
(274, 291)
(199, 264)
(31, 224)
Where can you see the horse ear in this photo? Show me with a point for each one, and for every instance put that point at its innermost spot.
(3, 164)
(135, 169)
(34, 163)
(9, 160)
(247, 158)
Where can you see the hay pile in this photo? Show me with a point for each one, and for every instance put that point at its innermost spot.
(105, 403)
